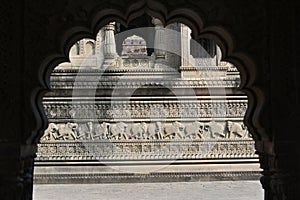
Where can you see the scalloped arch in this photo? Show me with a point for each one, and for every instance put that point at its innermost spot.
(98, 17)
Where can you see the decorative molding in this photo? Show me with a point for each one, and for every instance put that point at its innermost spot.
(82, 83)
(92, 70)
(141, 150)
(142, 177)
(101, 110)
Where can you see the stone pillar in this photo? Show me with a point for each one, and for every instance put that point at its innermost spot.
(109, 49)
(185, 45)
(159, 40)
(173, 46)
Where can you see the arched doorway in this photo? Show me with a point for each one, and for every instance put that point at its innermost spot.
(219, 100)
(235, 57)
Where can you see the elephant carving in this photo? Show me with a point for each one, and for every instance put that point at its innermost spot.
(118, 131)
(173, 131)
(101, 131)
(194, 130)
(86, 131)
(236, 130)
(216, 129)
(67, 131)
(138, 131)
(154, 131)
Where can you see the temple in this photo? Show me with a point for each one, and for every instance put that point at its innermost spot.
(145, 103)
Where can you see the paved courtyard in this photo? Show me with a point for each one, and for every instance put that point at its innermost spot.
(223, 190)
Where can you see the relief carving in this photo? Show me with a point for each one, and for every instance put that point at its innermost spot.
(194, 130)
(178, 149)
(173, 131)
(155, 131)
(236, 130)
(67, 131)
(122, 131)
(138, 131)
(142, 110)
(216, 130)
(101, 131)
(86, 131)
(51, 133)
(118, 131)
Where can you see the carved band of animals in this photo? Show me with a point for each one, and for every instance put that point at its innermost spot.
(146, 131)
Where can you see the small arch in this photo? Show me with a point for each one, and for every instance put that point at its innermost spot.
(90, 48)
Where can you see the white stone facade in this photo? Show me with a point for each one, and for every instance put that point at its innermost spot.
(102, 100)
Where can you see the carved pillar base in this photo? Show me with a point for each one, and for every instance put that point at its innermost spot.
(16, 178)
(280, 186)
(27, 175)
(11, 187)
(279, 178)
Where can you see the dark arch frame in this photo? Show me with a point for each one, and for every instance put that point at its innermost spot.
(100, 15)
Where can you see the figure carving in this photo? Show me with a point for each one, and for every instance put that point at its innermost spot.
(215, 129)
(173, 131)
(118, 131)
(194, 130)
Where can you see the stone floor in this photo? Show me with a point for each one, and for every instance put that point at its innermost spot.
(223, 190)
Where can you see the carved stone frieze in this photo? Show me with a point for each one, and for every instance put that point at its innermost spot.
(120, 150)
(156, 131)
(228, 82)
(146, 109)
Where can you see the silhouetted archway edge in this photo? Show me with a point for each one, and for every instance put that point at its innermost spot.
(99, 16)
